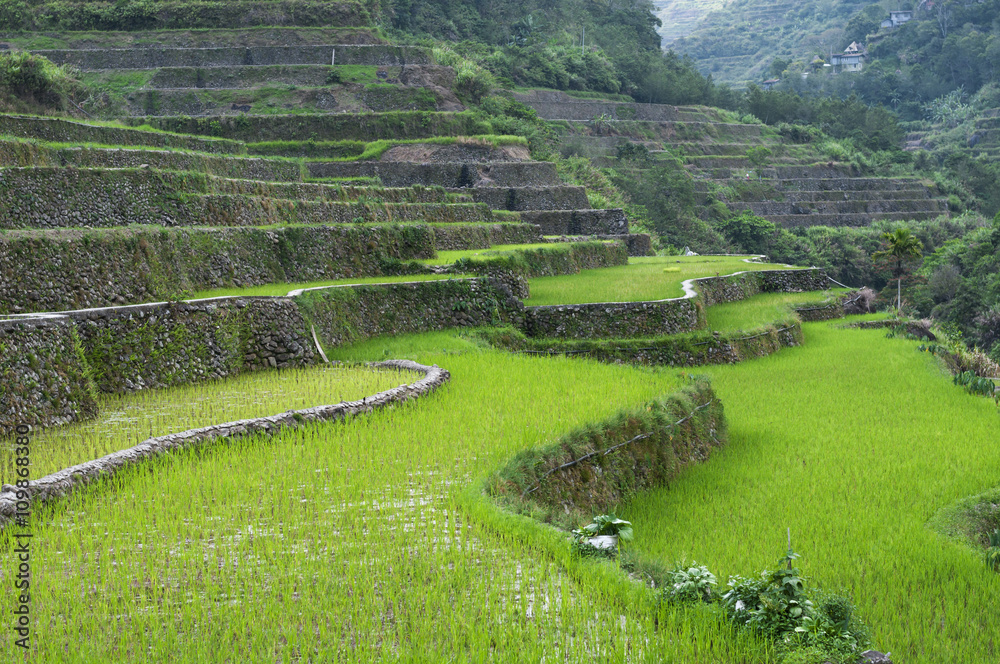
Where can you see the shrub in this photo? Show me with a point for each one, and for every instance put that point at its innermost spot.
(690, 583)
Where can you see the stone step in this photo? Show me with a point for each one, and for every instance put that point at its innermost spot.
(802, 220)
(519, 199)
(109, 198)
(170, 184)
(59, 130)
(578, 222)
(713, 149)
(844, 184)
(446, 174)
(17, 153)
(265, 100)
(586, 111)
(854, 195)
(872, 207)
(639, 244)
(192, 38)
(229, 56)
(324, 127)
(241, 77)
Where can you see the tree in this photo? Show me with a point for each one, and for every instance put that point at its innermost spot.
(758, 157)
(901, 246)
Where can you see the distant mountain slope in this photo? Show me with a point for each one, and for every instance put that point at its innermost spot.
(736, 42)
(681, 17)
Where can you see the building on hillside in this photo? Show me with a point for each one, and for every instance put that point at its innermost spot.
(852, 59)
(897, 19)
(771, 82)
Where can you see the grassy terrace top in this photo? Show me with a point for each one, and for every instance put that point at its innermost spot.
(449, 257)
(279, 290)
(644, 278)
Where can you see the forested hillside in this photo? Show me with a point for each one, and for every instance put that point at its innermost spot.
(738, 41)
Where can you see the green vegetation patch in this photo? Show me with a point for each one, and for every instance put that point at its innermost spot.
(644, 278)
(763, 309)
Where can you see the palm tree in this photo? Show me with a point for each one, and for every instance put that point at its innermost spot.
(901, 246)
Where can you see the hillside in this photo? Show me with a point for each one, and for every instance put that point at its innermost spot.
(737, 42)
(679, 18)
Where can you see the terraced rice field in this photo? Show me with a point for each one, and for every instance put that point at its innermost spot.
(342, 542)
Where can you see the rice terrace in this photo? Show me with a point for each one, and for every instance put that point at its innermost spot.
(344, 331)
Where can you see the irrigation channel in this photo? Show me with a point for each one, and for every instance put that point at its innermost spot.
(345, 541)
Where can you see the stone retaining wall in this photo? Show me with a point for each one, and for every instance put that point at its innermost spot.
(238, 77)
(176, 343)
(459, 237)
(348, 314)
(517, 199)
(68, 131)
(98, 198)
(326, 127)
(585, 111)
(24, 153)
(72, 269)
(64, 482)
(43, 374)
(154, 58)
(578, 222)
(453, 174)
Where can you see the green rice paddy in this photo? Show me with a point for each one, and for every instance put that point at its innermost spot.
(853, 441)
(644, 278)
(127, 420)
(342, 542)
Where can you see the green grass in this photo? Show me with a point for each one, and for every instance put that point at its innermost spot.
(644, 278)
(361, 151)
(449, 257)
(853, 441)
(341, 542)
(125, 421)
(277, 290)
(763, 309)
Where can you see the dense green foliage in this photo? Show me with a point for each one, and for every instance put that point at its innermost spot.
(564, 44)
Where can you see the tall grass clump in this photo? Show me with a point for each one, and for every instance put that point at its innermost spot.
(34, 84)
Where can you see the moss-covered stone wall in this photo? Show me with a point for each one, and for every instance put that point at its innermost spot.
(594, 469)
(347, 314)
(58, 130)
(228, 56)
(73, 269)
(174, 343)
(44, 377)
(453, 174)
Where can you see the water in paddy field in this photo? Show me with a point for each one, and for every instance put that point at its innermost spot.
(127, 420)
